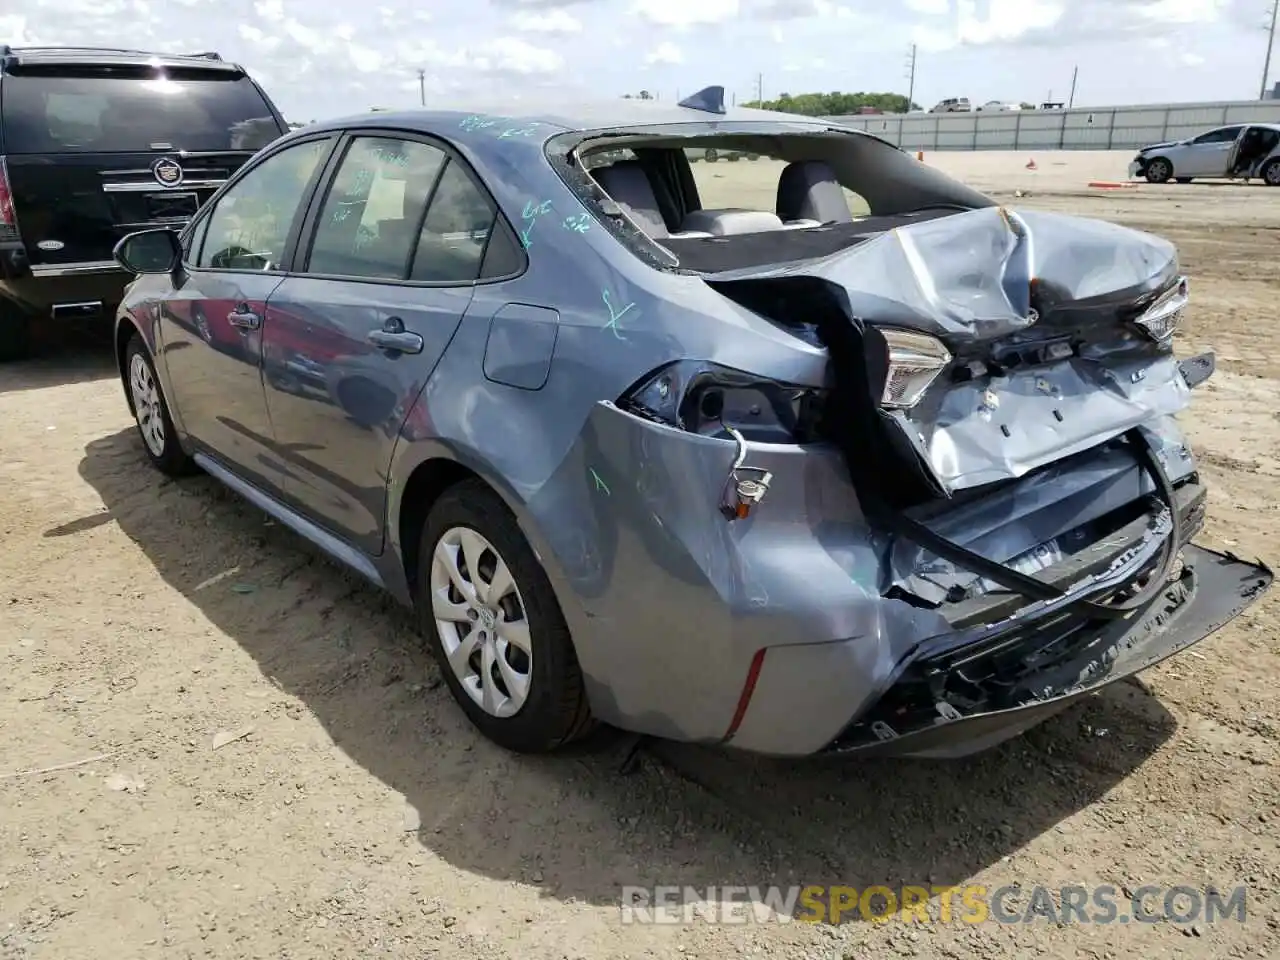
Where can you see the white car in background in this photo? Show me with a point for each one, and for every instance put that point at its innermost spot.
(999, 106)
(1240, 150)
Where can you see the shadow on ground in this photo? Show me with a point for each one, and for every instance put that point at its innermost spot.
(70, 354)
(575, 825)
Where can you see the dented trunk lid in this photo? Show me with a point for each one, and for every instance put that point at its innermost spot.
(1023, 439)
(1037, 312)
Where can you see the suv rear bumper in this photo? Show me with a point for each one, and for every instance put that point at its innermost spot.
(43, 290)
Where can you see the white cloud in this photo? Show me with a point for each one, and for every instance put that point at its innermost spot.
(1059, 22)
(518, 56)
(14, 30)
(271, 11)
(664, 53)
(685, 13)
(552, 21)
(258, 37)
(322, 57)
(1005, 19)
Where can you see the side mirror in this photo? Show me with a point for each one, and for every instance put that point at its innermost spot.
(149, 251)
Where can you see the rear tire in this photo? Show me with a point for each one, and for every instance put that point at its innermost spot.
(15, 333)
(151, 412)
(1271, 173)
(534, 700)
(1183, 179)
(711, 156)
(1159, 170)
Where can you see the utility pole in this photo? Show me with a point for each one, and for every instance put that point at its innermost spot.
(1271, 39)
(422, 87)
(1075, 74)
(911, 75)
(760, 87)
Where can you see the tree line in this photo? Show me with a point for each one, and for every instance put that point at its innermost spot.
(819, 104)
(835, 104)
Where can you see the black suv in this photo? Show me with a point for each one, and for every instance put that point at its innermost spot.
(95, 144)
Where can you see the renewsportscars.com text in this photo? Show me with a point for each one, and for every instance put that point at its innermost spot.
(969, 904)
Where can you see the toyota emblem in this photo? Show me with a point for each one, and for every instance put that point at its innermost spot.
(168, 173)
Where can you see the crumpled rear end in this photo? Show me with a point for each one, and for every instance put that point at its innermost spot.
(1033, 502)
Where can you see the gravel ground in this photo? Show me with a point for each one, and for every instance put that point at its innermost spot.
(267, 765)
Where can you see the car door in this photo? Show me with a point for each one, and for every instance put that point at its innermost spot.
(395, 245)
(1208, 155)
(212, 325)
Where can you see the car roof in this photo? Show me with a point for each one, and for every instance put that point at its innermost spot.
(571, 115)
(1239, 123)
(106, 56)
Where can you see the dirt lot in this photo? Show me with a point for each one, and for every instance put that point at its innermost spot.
(353, 813)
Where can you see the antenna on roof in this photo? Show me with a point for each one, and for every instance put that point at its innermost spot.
(708, 100)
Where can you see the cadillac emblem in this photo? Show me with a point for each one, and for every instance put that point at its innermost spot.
(168, 173)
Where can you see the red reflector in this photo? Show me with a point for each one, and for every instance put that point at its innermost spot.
(8, 218)
(748, 688)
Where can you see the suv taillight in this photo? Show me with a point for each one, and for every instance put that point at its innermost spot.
(8, 217)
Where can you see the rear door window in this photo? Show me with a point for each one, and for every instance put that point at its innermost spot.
(370, 220)
(455, 232)
(118, 109)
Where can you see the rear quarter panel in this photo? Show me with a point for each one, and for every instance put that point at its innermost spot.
(544, 452)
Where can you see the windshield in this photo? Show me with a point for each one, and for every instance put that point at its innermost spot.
(129, 109)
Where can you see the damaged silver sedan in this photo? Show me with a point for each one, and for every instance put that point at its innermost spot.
(870, 464)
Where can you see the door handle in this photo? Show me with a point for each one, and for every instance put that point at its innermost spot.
(245, 319)
(394, 337)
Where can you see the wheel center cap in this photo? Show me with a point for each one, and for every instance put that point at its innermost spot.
(488, 619)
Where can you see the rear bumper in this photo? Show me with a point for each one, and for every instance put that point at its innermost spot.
(39, 289)
(1077, 661)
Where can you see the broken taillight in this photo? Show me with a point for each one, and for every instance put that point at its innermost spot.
(714, 400)
(8, 216)
(915, 360)
(1161, 319)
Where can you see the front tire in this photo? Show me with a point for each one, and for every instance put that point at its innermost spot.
(495, 627)
(1159, 170)
(151, 412)
(1271, 173)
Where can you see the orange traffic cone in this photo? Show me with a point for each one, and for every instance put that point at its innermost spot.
(920, 155)
(1031, 164)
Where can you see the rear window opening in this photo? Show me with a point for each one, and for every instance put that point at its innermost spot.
(72, 108)
(717, 202)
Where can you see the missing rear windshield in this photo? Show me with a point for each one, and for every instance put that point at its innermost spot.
(131, 109)
(705, 200)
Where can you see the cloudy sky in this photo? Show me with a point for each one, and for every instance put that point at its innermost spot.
(324, 57)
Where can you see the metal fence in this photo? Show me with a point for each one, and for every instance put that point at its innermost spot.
(1082, 128)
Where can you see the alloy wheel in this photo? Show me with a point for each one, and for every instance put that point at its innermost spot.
(482, 623)
(145, 393)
